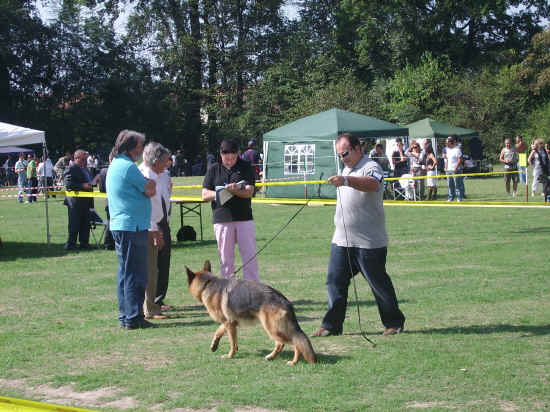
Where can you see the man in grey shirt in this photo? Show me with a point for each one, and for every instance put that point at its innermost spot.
(359, 243)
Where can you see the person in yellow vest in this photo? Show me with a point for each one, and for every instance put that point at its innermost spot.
(32, 179)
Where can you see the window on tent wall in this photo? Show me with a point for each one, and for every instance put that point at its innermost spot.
(299, 159)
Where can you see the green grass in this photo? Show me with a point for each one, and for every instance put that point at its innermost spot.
(473, 284)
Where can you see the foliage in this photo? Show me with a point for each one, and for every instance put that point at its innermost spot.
(418, 91)
(190, 73)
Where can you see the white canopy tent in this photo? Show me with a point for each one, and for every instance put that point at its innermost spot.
(14, 149)
(12, 135)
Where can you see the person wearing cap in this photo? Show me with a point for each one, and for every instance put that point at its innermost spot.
(253, 157)
(232, 216)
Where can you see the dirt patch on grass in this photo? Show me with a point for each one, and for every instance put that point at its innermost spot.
(66, 395)
(506, 406)
(245, 409)
(425, 405)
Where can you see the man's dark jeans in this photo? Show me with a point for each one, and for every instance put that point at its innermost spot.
(372, 264)
(131, 250)
(163, 263)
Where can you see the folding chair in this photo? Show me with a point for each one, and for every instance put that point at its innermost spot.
(405, 188)
(95, 222)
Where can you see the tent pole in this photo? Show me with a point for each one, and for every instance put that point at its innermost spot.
(45, 156)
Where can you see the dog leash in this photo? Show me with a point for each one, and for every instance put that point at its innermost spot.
(363, 334)
(273, 238)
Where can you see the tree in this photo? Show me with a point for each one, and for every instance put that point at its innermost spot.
(24, 56)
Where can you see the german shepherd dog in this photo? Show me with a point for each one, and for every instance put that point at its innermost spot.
(233, 302)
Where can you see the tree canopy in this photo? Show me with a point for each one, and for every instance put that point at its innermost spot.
(190, 73)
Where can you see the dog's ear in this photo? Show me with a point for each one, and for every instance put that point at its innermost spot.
(190, 275)
(207, 266)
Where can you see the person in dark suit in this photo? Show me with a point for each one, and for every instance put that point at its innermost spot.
(100, 180)
(77, 178)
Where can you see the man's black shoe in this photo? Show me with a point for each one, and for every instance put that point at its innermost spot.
(143, 324)
(70, 247)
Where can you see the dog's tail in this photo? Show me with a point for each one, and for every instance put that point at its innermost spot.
(302, 343)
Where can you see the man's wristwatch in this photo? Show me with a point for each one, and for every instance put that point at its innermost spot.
(346, 183)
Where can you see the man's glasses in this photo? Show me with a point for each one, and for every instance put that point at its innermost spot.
(343, 154)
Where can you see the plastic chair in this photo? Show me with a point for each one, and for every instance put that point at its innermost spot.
(407, 187)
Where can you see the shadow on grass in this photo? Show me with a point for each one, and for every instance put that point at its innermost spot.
(194, 308)
(29, 250)
(193, 244)
(288, 355)
(523, 330)
(184, 315)
(532, 230)
(305, 304)
(181, 324)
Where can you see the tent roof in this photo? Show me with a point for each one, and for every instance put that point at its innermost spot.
(14, 149)
(333, 122)
(427, 128)
(15, 135)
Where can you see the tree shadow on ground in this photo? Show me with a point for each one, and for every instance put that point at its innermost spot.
(524, 330)
(532, 230)
(193, 244)
(29, 250)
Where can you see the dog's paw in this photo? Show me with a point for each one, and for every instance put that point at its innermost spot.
(227, 356)
(291, 363)
(214, 346)
(269, 357)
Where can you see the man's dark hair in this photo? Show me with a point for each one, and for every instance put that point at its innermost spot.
(126, 141)
(353, 140)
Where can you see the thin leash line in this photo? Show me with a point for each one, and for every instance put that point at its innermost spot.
(363, 334)
(273, 238)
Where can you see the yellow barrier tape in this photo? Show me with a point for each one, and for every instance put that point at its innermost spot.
(80, 194)
(320, 182)
(457, 175)
(21, 405)
(331, 202)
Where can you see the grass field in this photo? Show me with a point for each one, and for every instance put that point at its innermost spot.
(473, 283)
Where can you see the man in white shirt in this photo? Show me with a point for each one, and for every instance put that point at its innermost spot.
(453, 166)
(45, 174)
(155, 161)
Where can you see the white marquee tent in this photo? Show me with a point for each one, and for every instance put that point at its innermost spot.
(11, 135)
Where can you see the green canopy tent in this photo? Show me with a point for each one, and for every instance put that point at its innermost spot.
(431, 129)
(428, 129)
(305, 149)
